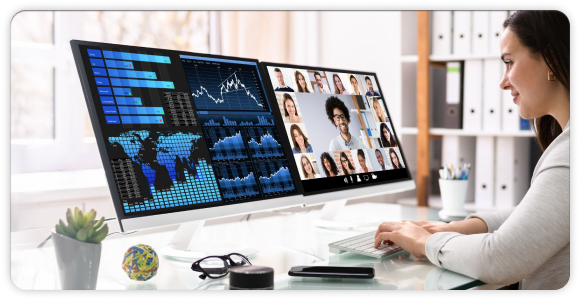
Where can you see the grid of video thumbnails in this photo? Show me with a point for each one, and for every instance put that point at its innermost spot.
(338, 127)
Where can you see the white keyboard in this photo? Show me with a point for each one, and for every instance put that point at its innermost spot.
(364, 244)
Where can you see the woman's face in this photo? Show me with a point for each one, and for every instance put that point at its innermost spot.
(298, 138)
(326, 163)
(377, 108)
(301, 81)
(362, 162)
(394, 159)
(338, 83)
(344, 163)
(526, 76)
(307, 166)
(386, 134)
(289, 105)
(354, 84)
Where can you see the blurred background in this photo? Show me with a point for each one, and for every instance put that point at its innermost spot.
(55, 162)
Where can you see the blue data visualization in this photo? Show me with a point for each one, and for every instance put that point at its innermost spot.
(237, 181)
(263, 142)
(225, 143)
(236, 120)
(225, 86)
(275, 177)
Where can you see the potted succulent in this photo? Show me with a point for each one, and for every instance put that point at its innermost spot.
(78, 249)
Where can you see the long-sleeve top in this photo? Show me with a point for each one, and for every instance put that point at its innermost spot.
(530, 243)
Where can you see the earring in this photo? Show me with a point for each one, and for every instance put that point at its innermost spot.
(551, 76)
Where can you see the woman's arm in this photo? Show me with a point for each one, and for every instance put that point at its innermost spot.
(469, 226)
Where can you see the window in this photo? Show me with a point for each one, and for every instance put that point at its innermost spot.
(50, 125)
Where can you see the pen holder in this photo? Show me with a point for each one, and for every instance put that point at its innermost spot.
(453, 194)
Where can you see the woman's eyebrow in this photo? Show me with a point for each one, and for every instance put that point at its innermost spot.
(504, 55)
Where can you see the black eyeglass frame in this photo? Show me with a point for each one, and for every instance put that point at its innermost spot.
(229, 263)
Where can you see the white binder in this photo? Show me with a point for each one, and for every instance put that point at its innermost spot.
(480, 33)
(496, 19)
(461, 32)
(472, 95)
(441, 34)
(510, 112)
(512, 171)
(484, 172)
(491, 95)
(458, 150)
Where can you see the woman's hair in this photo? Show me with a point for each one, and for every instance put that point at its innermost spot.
(336, 91)
(398, 166)
(333, 102)
(361, 153)
(297, 75)
(342, 154)
(296, 127)
(286, 97)
(333, 167)
(546, 33)
(382, 118)
(393, 142)
(302, 157)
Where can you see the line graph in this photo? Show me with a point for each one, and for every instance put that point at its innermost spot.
(275, 177)
(225, 143)
(263, 142)
(237, 180)
(225, 86)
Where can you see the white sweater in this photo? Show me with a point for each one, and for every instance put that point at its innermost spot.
(528, 244)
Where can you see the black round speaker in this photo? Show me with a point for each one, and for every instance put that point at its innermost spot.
(251, 278)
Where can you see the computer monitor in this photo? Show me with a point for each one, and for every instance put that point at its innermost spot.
(187, 136)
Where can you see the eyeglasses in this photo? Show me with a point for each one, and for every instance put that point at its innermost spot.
(339, 117)
(219, 266)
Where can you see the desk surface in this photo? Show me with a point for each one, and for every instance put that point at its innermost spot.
(283, 241)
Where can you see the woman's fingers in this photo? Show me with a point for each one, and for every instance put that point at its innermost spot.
(383, 236)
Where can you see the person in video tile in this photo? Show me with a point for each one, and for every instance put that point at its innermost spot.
(307, 170)
(299, 140)
(371, 91)
(338, 87)
(354, 84)
(282, 87)
(338, 114)
(290, 112)
(319, 86)
(381, 160)
(347, 167)
(387, 138)
(379, 110)
(394, 159)
(302, 87)
(362, 161)
(328, 165)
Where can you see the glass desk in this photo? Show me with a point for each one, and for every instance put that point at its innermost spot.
(283, 241)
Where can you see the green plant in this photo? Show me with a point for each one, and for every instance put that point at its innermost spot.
(83, 227)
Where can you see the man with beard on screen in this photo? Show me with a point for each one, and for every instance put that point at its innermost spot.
(339, 115)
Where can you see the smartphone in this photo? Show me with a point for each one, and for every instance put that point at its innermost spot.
(332, 272)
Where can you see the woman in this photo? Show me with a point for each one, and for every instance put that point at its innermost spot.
(379, 110)
(301, 82)
(530, 243)
(338, 87)
(362, 161)
(354, 84)
(394, 159)
(299, 140)
(328, 165)
(290, 112)
(307, 169)
(387, 139)
(347, 167)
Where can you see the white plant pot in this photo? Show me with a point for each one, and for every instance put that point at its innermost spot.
(78, 262)
(453, 194)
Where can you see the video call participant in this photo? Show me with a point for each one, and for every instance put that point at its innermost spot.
(379, 110)
(282, 87)
(347, 167)
(338, 114)
(299, 140)
(301, 82)
(328, 165)
(387, 138)
(381, 160)
(307, 169)
(354, 84)
(290, 112)
(370, 92)
(362, 162)
(338, 87)
(395, 159)
(319, 86)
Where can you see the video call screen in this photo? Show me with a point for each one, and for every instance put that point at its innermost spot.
(338, 127)
(180, 131)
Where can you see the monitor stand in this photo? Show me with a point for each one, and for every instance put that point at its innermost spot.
(332, 218)
(185, 245)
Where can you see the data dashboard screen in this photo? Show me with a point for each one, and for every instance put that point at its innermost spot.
(180, 131)
(338, 126)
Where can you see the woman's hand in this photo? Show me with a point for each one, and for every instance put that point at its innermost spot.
(406, 234)
(434, 227)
